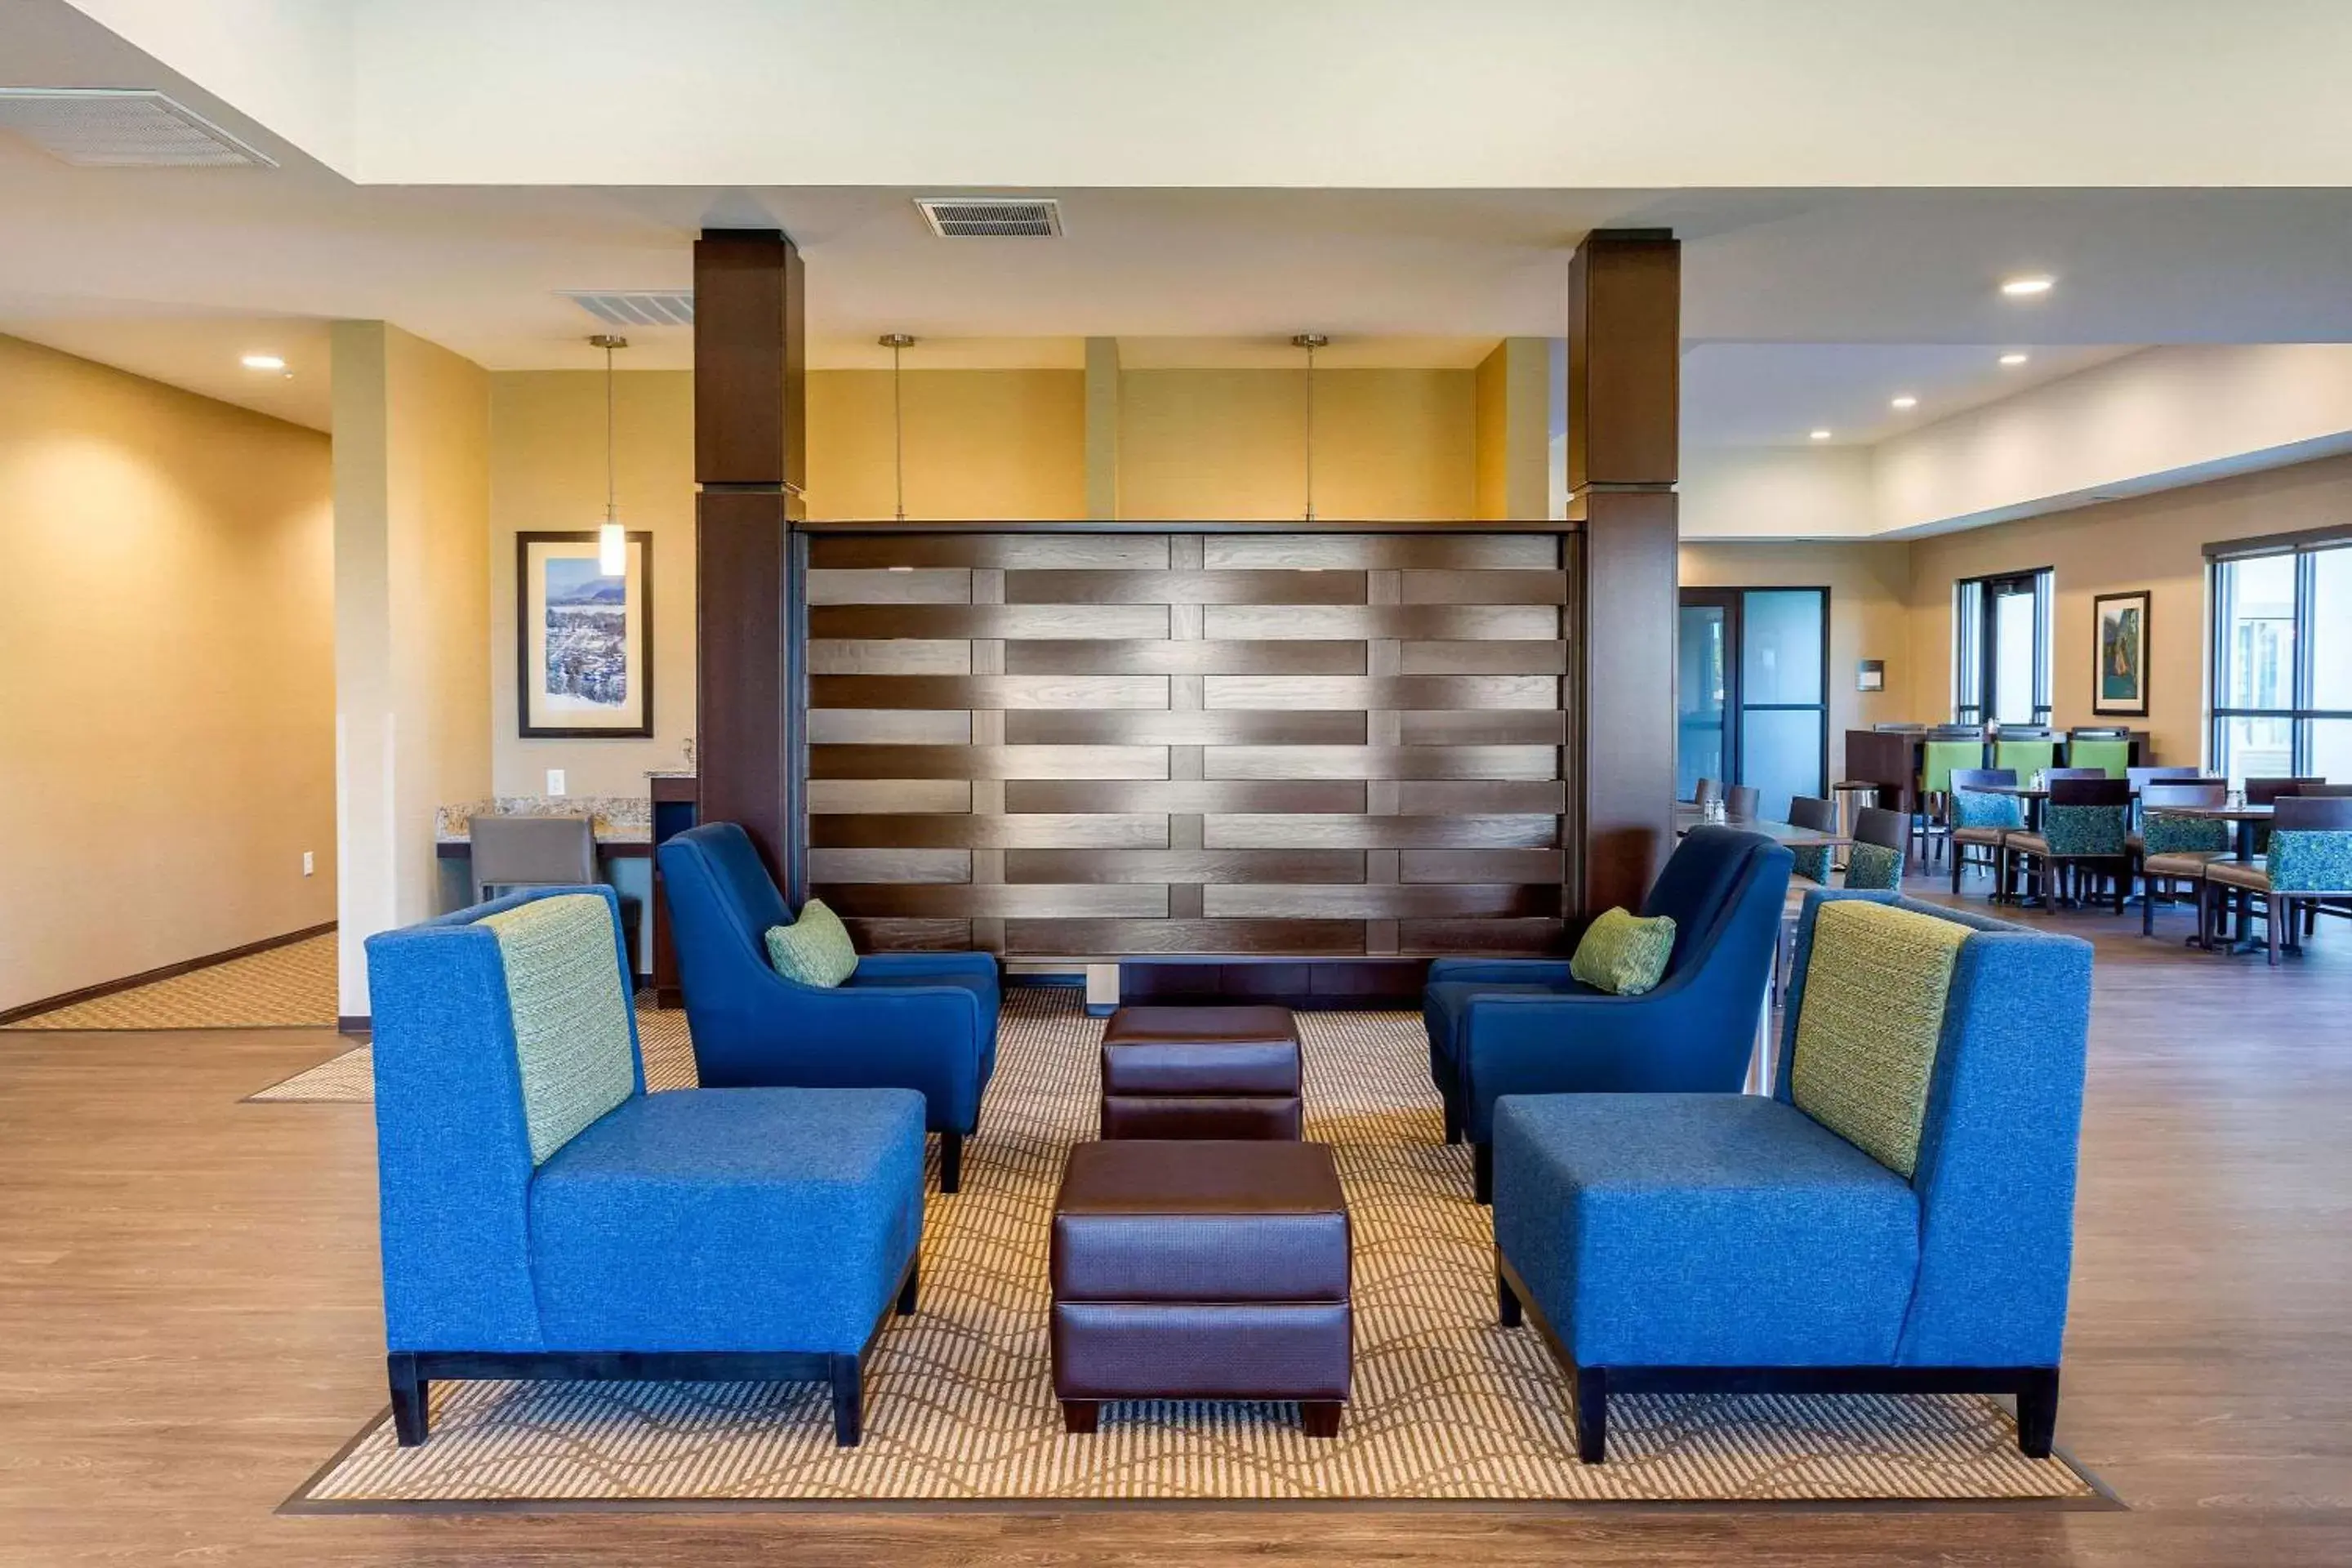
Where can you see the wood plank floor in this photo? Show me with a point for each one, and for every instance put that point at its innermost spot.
(188, 1307)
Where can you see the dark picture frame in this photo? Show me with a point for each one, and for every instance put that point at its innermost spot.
(2120, 650)
(603, 688)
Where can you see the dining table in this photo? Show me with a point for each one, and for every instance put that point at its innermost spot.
(2248, 820)
(1687, 816)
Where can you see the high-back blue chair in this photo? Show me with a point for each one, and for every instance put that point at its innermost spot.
(1529, 1026)
(1898, 1217)
(545, 1217)
(924, 1021)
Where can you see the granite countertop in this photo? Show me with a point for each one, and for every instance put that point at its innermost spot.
(612, 818)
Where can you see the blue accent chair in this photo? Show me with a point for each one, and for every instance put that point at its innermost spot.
(1693, 1243)
(1527, 1026)
(737, 1233)
(924, 1021)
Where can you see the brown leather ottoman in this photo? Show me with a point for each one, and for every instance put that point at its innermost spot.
(1201, 1072)
(1198, 1268)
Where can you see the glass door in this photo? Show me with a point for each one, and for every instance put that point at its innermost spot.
(1703, 697)
(1752, 692)
(2013, 647)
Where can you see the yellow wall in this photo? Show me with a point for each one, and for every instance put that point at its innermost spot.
(1869, 586)
(1232, 444)
(167, 711)
(2149, 541)
(979, 444)
(411, 468)
(546, 475)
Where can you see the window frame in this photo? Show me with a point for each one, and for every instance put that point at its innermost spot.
(1976, 643)
(2301, 713)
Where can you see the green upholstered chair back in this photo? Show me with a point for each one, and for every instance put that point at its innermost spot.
(1876, 981)
(2111, 757)
(570, 1014)
(2311, 845)
(2087, 818)
(1938, 758)
(2025, 758)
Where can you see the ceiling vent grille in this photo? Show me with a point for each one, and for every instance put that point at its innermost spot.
(635, 307)
(123, 128)
(992, 217)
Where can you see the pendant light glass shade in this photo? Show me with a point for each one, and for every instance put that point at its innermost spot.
(612, 539)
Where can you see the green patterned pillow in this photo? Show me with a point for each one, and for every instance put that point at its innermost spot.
(1873, 867)
(1875, 989)
(816, 949)
(1622, 954)
(2311, 861)
(570, 1014)
(2165, 833)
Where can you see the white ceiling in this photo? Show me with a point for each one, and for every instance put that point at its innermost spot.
(1803, 307)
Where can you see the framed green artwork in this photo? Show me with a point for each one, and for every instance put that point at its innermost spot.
(2119, 645)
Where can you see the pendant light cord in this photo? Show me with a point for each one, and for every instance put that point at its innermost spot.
(1310, 432)
(611, 485)
(899, 430)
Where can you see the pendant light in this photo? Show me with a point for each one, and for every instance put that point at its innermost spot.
(1310, 342)
(612, 539)
(894, 341)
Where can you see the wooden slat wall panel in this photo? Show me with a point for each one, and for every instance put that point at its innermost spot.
(1257, 744)
(910, 936)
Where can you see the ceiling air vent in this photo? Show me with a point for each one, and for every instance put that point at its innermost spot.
(991, 217)
(123, 128)
(635, 307)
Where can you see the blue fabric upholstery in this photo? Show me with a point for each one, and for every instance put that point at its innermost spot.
(786, 1210)
(1525, 1027)
(1702, 1230)
(924, 1021)
(738, 1219)
(1727, 1231)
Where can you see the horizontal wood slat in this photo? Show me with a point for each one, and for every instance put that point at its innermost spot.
(989, 692)
(1188, 588)
(1409, 692)
(910, 936)
(1020, 830)
(1186, 796)
(1078, 938)
(1255, 745)
(1377, 763)
(1252, 832)
(1191, 727)
(1178, 866)
(988, 762)
(1088, 656)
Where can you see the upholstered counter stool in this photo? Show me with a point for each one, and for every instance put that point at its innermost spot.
(1201, 1072)
(1199, 1269)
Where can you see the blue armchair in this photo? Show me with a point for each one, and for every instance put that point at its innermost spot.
(544, 1217)
(924, 1021)
(1898, 1217)
(1527, 1026)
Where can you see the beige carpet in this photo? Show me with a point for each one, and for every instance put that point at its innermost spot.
(959, 1399)
(284, 987)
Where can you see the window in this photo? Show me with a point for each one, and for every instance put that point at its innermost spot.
(2283, 657)
(2001, 648)
(1752, 691)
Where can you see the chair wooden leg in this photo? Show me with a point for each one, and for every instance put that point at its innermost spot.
(1081, 1416)
(2147, 906)
(1320, 1417)
(2271, 912)
(2037, 1414)
(906, 1291)
(848, 1400)
(1592, 1415)
(1482, 1172)
(1506, 1303)
(950, 1161)
(411, 1399)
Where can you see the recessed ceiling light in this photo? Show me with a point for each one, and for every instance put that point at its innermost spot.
(263, 362)
(2019, 288)
(2014, 359)
(1820, 435)
(1905, 401)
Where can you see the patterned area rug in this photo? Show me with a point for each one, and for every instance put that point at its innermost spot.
(351, 1076)
(960, 1402)
(286, 988)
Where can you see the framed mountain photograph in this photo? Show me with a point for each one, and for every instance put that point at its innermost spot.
(584, 641)
(2119, 644)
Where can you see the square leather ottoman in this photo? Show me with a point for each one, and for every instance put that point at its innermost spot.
(1200, 1268)
(1201, 1072)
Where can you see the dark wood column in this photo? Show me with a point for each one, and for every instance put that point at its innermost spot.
(1624, 358)
(749, 383)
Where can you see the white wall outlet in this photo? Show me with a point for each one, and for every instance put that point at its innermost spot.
(310, 864)
(555, 781)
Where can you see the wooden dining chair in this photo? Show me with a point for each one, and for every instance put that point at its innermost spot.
(1706, 790)
(1813, 860)
(2309, 864)
(1982, 820)
(1743, 800)
(2173, 851)
(2086, 828)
